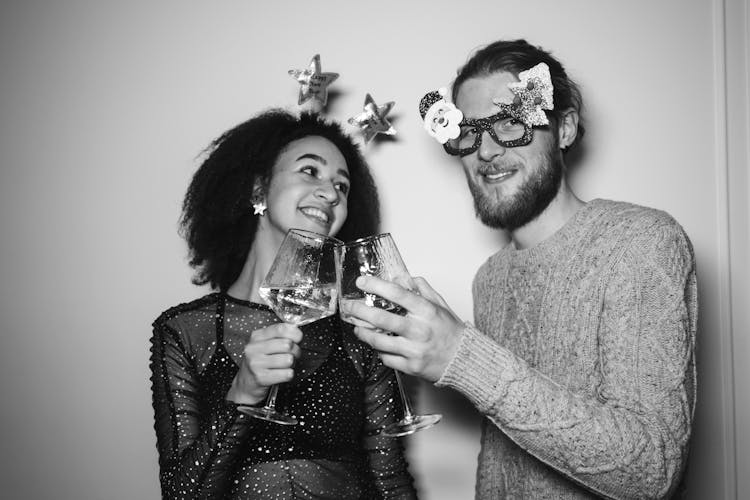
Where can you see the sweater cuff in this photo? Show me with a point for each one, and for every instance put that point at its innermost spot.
(481, 369)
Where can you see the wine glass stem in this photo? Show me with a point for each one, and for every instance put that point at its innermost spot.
(404, 398)
(271, 398)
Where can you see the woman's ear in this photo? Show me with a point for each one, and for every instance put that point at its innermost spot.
(568, 128)
(258, 199)
(259, 190)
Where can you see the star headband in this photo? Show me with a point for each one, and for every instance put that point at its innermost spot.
(313, 83)
(314, 87)
(372, 120)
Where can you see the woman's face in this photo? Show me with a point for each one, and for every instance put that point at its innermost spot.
(308, 188)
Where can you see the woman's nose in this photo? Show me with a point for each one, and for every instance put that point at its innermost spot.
(327, 191)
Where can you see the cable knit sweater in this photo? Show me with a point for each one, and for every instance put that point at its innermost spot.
(582, 359)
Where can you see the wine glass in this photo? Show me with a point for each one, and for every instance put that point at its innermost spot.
(378, 256)
(301, 288)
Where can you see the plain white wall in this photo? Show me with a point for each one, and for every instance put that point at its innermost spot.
(738, 160)
(105, 107)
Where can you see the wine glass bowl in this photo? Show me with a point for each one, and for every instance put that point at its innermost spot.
(302, 304)
(378, 256)
(300, 287)
(371, 256)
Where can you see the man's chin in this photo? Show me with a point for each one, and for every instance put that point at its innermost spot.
(508, 214)
(494, 221)
(490, 214)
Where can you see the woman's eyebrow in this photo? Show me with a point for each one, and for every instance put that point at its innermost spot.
(318, 158)
(313, 156)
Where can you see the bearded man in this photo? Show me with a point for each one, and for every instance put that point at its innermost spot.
(581, 354)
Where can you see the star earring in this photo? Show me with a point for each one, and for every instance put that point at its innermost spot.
(259, 208)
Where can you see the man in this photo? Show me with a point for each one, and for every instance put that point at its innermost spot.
(582, 357)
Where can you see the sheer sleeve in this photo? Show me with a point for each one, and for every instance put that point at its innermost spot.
(388, 465)
(197, 442)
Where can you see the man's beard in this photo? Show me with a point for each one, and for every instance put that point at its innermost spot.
(527, 203)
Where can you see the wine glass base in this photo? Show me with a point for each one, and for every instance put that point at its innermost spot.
(268, 414)
(410, 425)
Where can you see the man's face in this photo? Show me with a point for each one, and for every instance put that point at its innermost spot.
(510, 186)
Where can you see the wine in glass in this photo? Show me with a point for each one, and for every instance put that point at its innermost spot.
(301, 288)
(378, 256)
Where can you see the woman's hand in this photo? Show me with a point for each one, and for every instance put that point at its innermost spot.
(267, 360)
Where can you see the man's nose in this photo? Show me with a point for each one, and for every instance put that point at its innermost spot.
(488, 148)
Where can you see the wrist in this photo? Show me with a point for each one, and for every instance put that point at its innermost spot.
(236, 395)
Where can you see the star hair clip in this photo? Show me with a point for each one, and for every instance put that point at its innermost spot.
(441, 118)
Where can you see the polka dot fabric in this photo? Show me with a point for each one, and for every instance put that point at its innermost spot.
(342, 396)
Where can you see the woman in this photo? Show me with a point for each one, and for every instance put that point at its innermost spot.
(261, 178)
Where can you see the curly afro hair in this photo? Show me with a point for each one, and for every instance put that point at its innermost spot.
(217, 219)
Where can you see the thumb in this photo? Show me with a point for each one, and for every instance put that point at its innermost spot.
(425, 290)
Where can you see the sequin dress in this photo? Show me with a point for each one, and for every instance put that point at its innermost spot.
(341, 395)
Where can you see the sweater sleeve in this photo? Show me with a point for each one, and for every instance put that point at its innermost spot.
(196, 444)
(629, 439)
(388, 465)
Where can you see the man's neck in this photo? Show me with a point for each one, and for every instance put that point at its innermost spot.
(551, 220)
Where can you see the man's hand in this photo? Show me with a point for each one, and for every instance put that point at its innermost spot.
(425, 339)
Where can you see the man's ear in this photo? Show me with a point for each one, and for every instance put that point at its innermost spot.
(568, 128)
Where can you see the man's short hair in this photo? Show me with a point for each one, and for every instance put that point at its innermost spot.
(515, 56)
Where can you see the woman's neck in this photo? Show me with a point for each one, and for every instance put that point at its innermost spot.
(259, 259)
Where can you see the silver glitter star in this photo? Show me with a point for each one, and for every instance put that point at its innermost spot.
(313, 84)
(372, 121)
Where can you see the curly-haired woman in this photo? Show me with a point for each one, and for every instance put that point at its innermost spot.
(274, 172)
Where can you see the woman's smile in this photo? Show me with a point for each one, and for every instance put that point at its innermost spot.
(318, 215)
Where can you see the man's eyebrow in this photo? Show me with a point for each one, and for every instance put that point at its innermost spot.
(313, 156)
